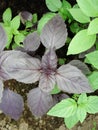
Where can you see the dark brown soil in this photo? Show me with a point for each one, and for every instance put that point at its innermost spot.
(34, 6)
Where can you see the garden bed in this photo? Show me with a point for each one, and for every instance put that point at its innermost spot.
(27, 121)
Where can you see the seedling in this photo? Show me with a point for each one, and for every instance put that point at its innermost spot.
(74, 111)
(14, 34)
(10, 25)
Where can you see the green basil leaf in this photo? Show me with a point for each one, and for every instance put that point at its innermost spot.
(89, 7)
(93, 79)
(81, 42)
(7, 15)
(93, 27)
(92, 105)
(71, 121)
(79, 16)
(93, 58)
(81, 112)
(15, 23)
(53, 5)
(65, 108)
(82, 99)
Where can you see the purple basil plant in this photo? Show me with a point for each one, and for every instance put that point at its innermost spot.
(24, 68)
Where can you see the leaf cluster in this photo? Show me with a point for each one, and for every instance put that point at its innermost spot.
(12, 26)
(74, 111)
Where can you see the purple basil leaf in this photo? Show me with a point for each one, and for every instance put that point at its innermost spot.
(31, 53)
(31, 42)
(3, 38)
(62, 96)
(12, 104)
(49, 60)
(47, 82)
(80, 65)
(19, 48)
(1, 90)
(21, 66)
(70, 79)
(4, 75)
(25, 16)
(59, 97)
(54, 33)
(39, 102)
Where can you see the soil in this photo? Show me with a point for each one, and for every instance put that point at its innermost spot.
(27, 120)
